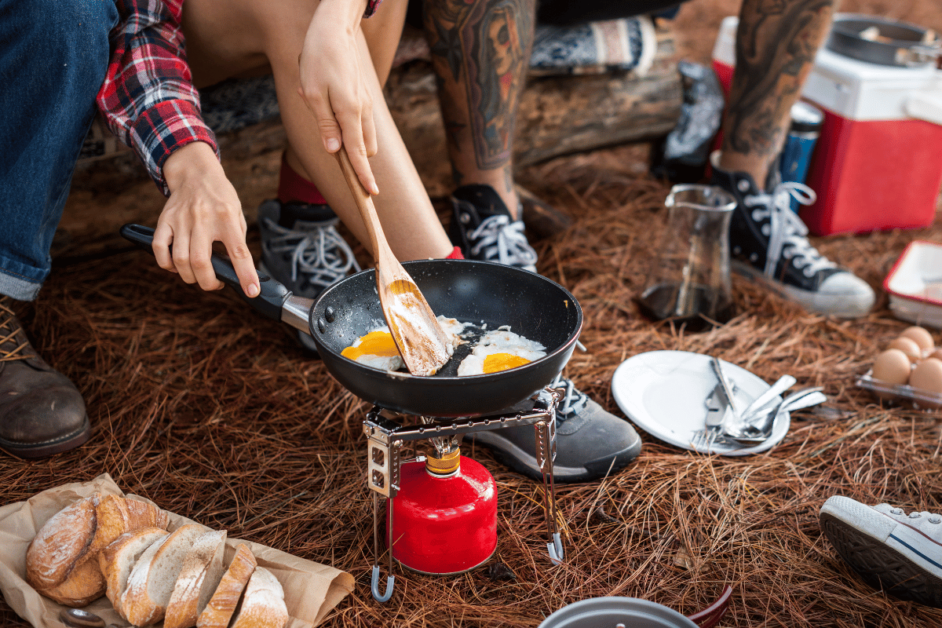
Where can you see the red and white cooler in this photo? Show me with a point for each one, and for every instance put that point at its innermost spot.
(878, 161)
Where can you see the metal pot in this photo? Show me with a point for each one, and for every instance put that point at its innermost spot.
(901, 44)
(630, 612)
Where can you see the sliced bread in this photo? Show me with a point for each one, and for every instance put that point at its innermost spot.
(118, 559)
(61, 544)
(264, 603)
(202, 569)
(223, 603)
(150, 584)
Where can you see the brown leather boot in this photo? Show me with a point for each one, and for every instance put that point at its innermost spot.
(41, 411)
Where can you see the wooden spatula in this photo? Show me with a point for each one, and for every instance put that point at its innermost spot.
(421, 341)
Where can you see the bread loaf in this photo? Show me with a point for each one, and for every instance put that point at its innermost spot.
(117, 560)
(144, 515)
(223, 603)
(150, 584)
(84, 585)
(202, 569)
(61, 544)
(264, 603)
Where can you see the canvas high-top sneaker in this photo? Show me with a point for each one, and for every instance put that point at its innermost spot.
(768, 242)
(890, 549)
(482, 227)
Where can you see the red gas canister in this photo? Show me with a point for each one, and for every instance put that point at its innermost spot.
(444, 521)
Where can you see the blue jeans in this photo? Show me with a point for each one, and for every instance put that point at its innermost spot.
(53, 58)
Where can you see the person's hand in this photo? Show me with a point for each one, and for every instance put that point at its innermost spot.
(203, 208)
(333, 87)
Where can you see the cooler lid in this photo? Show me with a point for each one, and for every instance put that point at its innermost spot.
(858, 90)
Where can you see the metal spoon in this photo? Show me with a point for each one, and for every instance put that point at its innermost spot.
(759, 432)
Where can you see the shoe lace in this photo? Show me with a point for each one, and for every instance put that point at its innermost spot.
(317, 251)
(787, 233)
(13, 344)
(503, 240)
(573, 400)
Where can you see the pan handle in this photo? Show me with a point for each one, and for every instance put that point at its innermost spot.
(272, 294)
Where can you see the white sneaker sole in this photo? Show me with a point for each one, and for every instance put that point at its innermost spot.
(885, 552)
(839, 305)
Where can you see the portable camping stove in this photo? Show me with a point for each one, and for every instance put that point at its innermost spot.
(446, 497)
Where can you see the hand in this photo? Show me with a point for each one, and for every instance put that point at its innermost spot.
(333, 86)
(203, 208)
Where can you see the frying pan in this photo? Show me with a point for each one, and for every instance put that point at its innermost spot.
(905, 47)
(482, 293)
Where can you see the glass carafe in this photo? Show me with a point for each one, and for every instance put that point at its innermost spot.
(688, 281)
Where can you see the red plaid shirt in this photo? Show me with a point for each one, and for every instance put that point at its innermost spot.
(148, 98)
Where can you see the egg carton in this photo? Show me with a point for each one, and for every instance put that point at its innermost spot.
(901, 393)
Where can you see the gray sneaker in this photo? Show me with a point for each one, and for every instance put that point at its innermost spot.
(302, 249)
(590, 442)
(890, 549)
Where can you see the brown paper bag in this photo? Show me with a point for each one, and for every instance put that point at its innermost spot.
(311, 589)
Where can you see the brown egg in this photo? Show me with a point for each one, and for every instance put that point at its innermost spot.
(920, 336)
(907, 346)
(927, 378)
(937, 354)
(892, 367)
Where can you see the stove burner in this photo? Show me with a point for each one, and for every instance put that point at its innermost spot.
(387, 431)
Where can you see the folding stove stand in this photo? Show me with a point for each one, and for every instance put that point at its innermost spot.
(388, 430)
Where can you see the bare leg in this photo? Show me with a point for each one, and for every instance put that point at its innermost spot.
(481, 52)
(272, 34)
(382, 38)
(775, 47)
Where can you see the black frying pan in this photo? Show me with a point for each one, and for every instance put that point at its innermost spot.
(470, 291)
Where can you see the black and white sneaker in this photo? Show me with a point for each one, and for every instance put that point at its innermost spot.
(891, 550)
(481, 226)
(590, 442)
(302, 249)
(768, 242)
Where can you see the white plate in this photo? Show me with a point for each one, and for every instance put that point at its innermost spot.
(664, 393)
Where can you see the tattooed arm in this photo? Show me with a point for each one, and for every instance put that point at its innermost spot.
(775, 48)
(480, 52)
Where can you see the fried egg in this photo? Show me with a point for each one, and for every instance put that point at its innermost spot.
(500, 350)
(378, 349)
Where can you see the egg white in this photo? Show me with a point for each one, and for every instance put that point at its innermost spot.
(501, 340)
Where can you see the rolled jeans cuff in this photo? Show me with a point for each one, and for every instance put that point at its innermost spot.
(15, 285)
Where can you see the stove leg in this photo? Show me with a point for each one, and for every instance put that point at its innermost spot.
(390, 578)
(545, 453)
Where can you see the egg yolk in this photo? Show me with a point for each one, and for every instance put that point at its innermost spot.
(497, 362)
(378, 343)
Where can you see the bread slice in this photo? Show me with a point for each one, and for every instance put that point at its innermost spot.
(264, 603)
(61, 543)
(117, 560)
(150, 584)
(202, 569)
(223, 603)
(84, 585)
